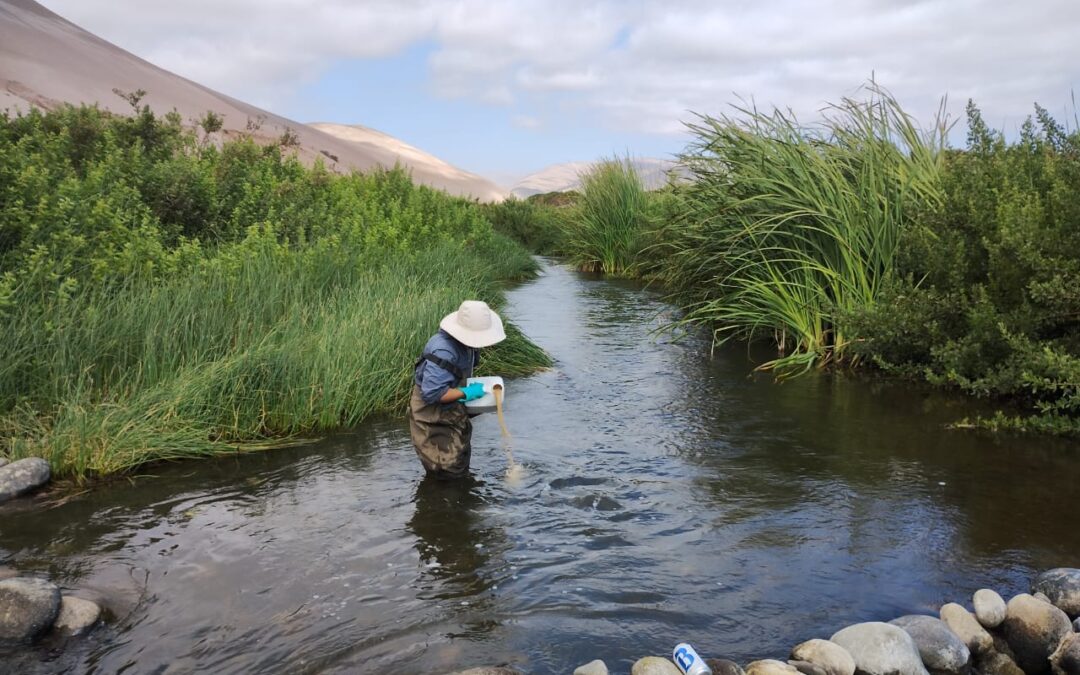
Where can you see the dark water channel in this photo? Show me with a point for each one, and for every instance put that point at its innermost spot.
(668, 497)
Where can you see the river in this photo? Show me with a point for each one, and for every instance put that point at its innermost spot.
(667, 496)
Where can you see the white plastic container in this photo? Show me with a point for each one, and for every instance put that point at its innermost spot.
(485, 403)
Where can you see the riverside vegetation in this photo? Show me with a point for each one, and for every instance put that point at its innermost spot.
(866, 240)
(166, 295)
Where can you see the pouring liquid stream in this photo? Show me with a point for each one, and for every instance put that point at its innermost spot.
(513, 470)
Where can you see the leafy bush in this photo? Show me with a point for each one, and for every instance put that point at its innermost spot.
(537, 226)
(162, 297)
(987, 295)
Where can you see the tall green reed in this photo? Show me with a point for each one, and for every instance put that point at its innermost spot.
(160, 297)
(786, 227)
(285, 343)
(605, 233)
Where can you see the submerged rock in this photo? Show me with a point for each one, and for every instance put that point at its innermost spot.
(1066, 658)
(654, 665)
(829, 655)
(770, 667)
(28, 608)
(989, 608)
(967, 628)
(596, 667)
(724, 667)
(23, 476)
(1062, 588)
(77, 615)
(881, 649)
(1034, 629)
(939, 648)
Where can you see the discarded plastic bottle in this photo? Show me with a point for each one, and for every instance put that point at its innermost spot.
(689, 661)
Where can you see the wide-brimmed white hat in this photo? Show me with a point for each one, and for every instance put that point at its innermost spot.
(474, 325)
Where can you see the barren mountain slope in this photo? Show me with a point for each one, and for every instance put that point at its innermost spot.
(46, 60)
(565, 177)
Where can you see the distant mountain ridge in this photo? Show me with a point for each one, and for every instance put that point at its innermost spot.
(654, 174)
(46, 61)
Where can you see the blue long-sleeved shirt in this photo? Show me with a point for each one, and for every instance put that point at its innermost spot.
(433, 379)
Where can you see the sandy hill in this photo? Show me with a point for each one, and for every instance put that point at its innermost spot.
(46, 61)
(566, 177)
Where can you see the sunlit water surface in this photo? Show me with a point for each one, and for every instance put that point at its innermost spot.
(665, 495)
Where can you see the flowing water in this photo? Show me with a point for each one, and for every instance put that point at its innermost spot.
(667, 497)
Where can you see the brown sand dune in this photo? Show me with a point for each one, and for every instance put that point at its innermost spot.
(653, 172)
(46, 60)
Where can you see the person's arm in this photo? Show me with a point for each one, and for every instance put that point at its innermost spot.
(438, 385)
(452, 394)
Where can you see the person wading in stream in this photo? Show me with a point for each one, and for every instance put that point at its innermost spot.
(438, 421)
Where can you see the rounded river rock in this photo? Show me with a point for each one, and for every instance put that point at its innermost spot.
(939, 648)
(770, 667)
(829, 655)
(989, 608)
(1034, 629)
(967, 628)
(654, 665)
(881, 649)
(28, 608)
(596, 667)
(22, 476)
(1066, 659)
(1062, 587)
(77, 615)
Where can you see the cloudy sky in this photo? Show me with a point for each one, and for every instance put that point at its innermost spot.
(502, 87)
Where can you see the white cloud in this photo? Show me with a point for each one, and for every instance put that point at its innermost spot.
(527, 122)
(636, 64)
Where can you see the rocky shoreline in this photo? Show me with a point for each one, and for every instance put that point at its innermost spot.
(1035, 633)
(31, 607)
(1031, 634)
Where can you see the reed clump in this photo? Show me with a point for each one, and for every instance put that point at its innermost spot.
(786, 228)
(605, 231)
(162, 298)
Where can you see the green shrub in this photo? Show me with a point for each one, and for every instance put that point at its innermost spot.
(162, 298)
(537, 226)
(987, 297)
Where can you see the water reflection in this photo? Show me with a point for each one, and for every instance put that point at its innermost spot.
(670, 496)
(453, 537)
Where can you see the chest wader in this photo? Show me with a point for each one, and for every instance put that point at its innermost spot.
(441, 433)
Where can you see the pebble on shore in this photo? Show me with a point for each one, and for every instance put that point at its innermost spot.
(989, 608)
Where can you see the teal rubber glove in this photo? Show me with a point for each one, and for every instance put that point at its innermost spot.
(472, 391)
